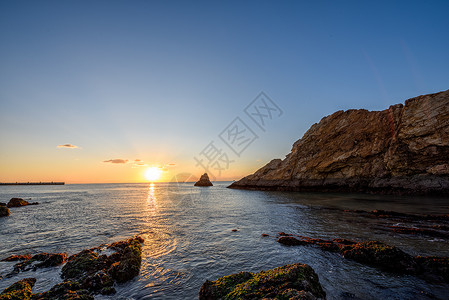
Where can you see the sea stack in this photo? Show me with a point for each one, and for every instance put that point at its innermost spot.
(204, 181)
(403, 149)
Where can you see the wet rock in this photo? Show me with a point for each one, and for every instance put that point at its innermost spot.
(17, 202)
(41, 260)
(129, 264)
(290, 241)
(421, 231)
(82, 264)
(402, 149)
(283, 234)
(380, 255)
(17, 257)
(234, 230)
(286, 282)
(265, 235)
(2, 204)
(4, 211)
(434, 267)
(204, 181)
(66, 290)
(100, 282)
(87, 272)
(21, 290)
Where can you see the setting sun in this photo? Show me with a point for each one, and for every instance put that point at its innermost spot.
(153, 174)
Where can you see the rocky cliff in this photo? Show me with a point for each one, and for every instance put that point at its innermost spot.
(403, 149)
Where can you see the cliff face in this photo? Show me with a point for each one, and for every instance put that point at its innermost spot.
(402, 149)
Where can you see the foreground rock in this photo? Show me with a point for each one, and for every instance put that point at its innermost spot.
(41, 260)
(204, 181)
(86, 273)
(403, 149)
(4, 211)
(17, 202)
(296, 281)
(380, 255)
(21, 290)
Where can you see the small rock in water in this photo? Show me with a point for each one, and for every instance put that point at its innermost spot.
(17, 202)
(234, 230)
(290, 241)
(264, 235)
(204, 181)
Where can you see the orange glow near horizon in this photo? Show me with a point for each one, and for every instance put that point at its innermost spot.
(153, 174)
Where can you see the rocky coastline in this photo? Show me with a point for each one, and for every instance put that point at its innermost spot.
(400, 150)
(85, 274)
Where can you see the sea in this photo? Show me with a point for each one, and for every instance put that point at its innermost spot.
(193, 234)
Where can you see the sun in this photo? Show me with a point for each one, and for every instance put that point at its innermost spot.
(153, 173)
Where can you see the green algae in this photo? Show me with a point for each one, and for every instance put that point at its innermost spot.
(276, 283)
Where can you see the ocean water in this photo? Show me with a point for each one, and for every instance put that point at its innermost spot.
(189, 238)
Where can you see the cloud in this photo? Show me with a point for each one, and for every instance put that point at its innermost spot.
(137, 160)
(116, 161)
(70, 146)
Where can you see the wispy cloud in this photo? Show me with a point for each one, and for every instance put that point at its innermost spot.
(70, 146)
(116, 161)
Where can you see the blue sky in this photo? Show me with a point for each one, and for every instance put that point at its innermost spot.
(159, 80)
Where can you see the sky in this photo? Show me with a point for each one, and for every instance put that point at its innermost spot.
(99, 91)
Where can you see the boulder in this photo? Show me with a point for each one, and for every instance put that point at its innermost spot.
(380, 255)
(295, 281)
(204, 181)
(19, 290)
(17, 202)
(402, 149)
(4, 211)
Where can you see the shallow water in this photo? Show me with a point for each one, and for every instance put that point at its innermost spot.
(189, 238)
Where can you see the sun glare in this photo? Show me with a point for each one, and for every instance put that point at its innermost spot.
(153, 174)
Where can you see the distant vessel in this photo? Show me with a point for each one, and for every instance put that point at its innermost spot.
(32, 183)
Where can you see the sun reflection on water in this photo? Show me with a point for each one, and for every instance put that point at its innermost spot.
(151, 199)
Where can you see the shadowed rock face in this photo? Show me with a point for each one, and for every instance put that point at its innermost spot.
(204, 181)
(403, 149)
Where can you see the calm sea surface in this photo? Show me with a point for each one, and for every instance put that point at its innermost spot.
(189, 238)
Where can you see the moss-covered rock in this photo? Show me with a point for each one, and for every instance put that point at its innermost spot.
(4, 211)
(41, 260)
(287, 282)
(80, 265)
(88, 272)
(129, 264)
(68, 290)
(378, 254)
(21, 290)
(17, 202)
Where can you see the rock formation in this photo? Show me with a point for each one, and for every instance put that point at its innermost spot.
(377, 254)
(403, 149)
(85, 274)
(17, 202)
(204, 181)
(295, 281)
(4, 211)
